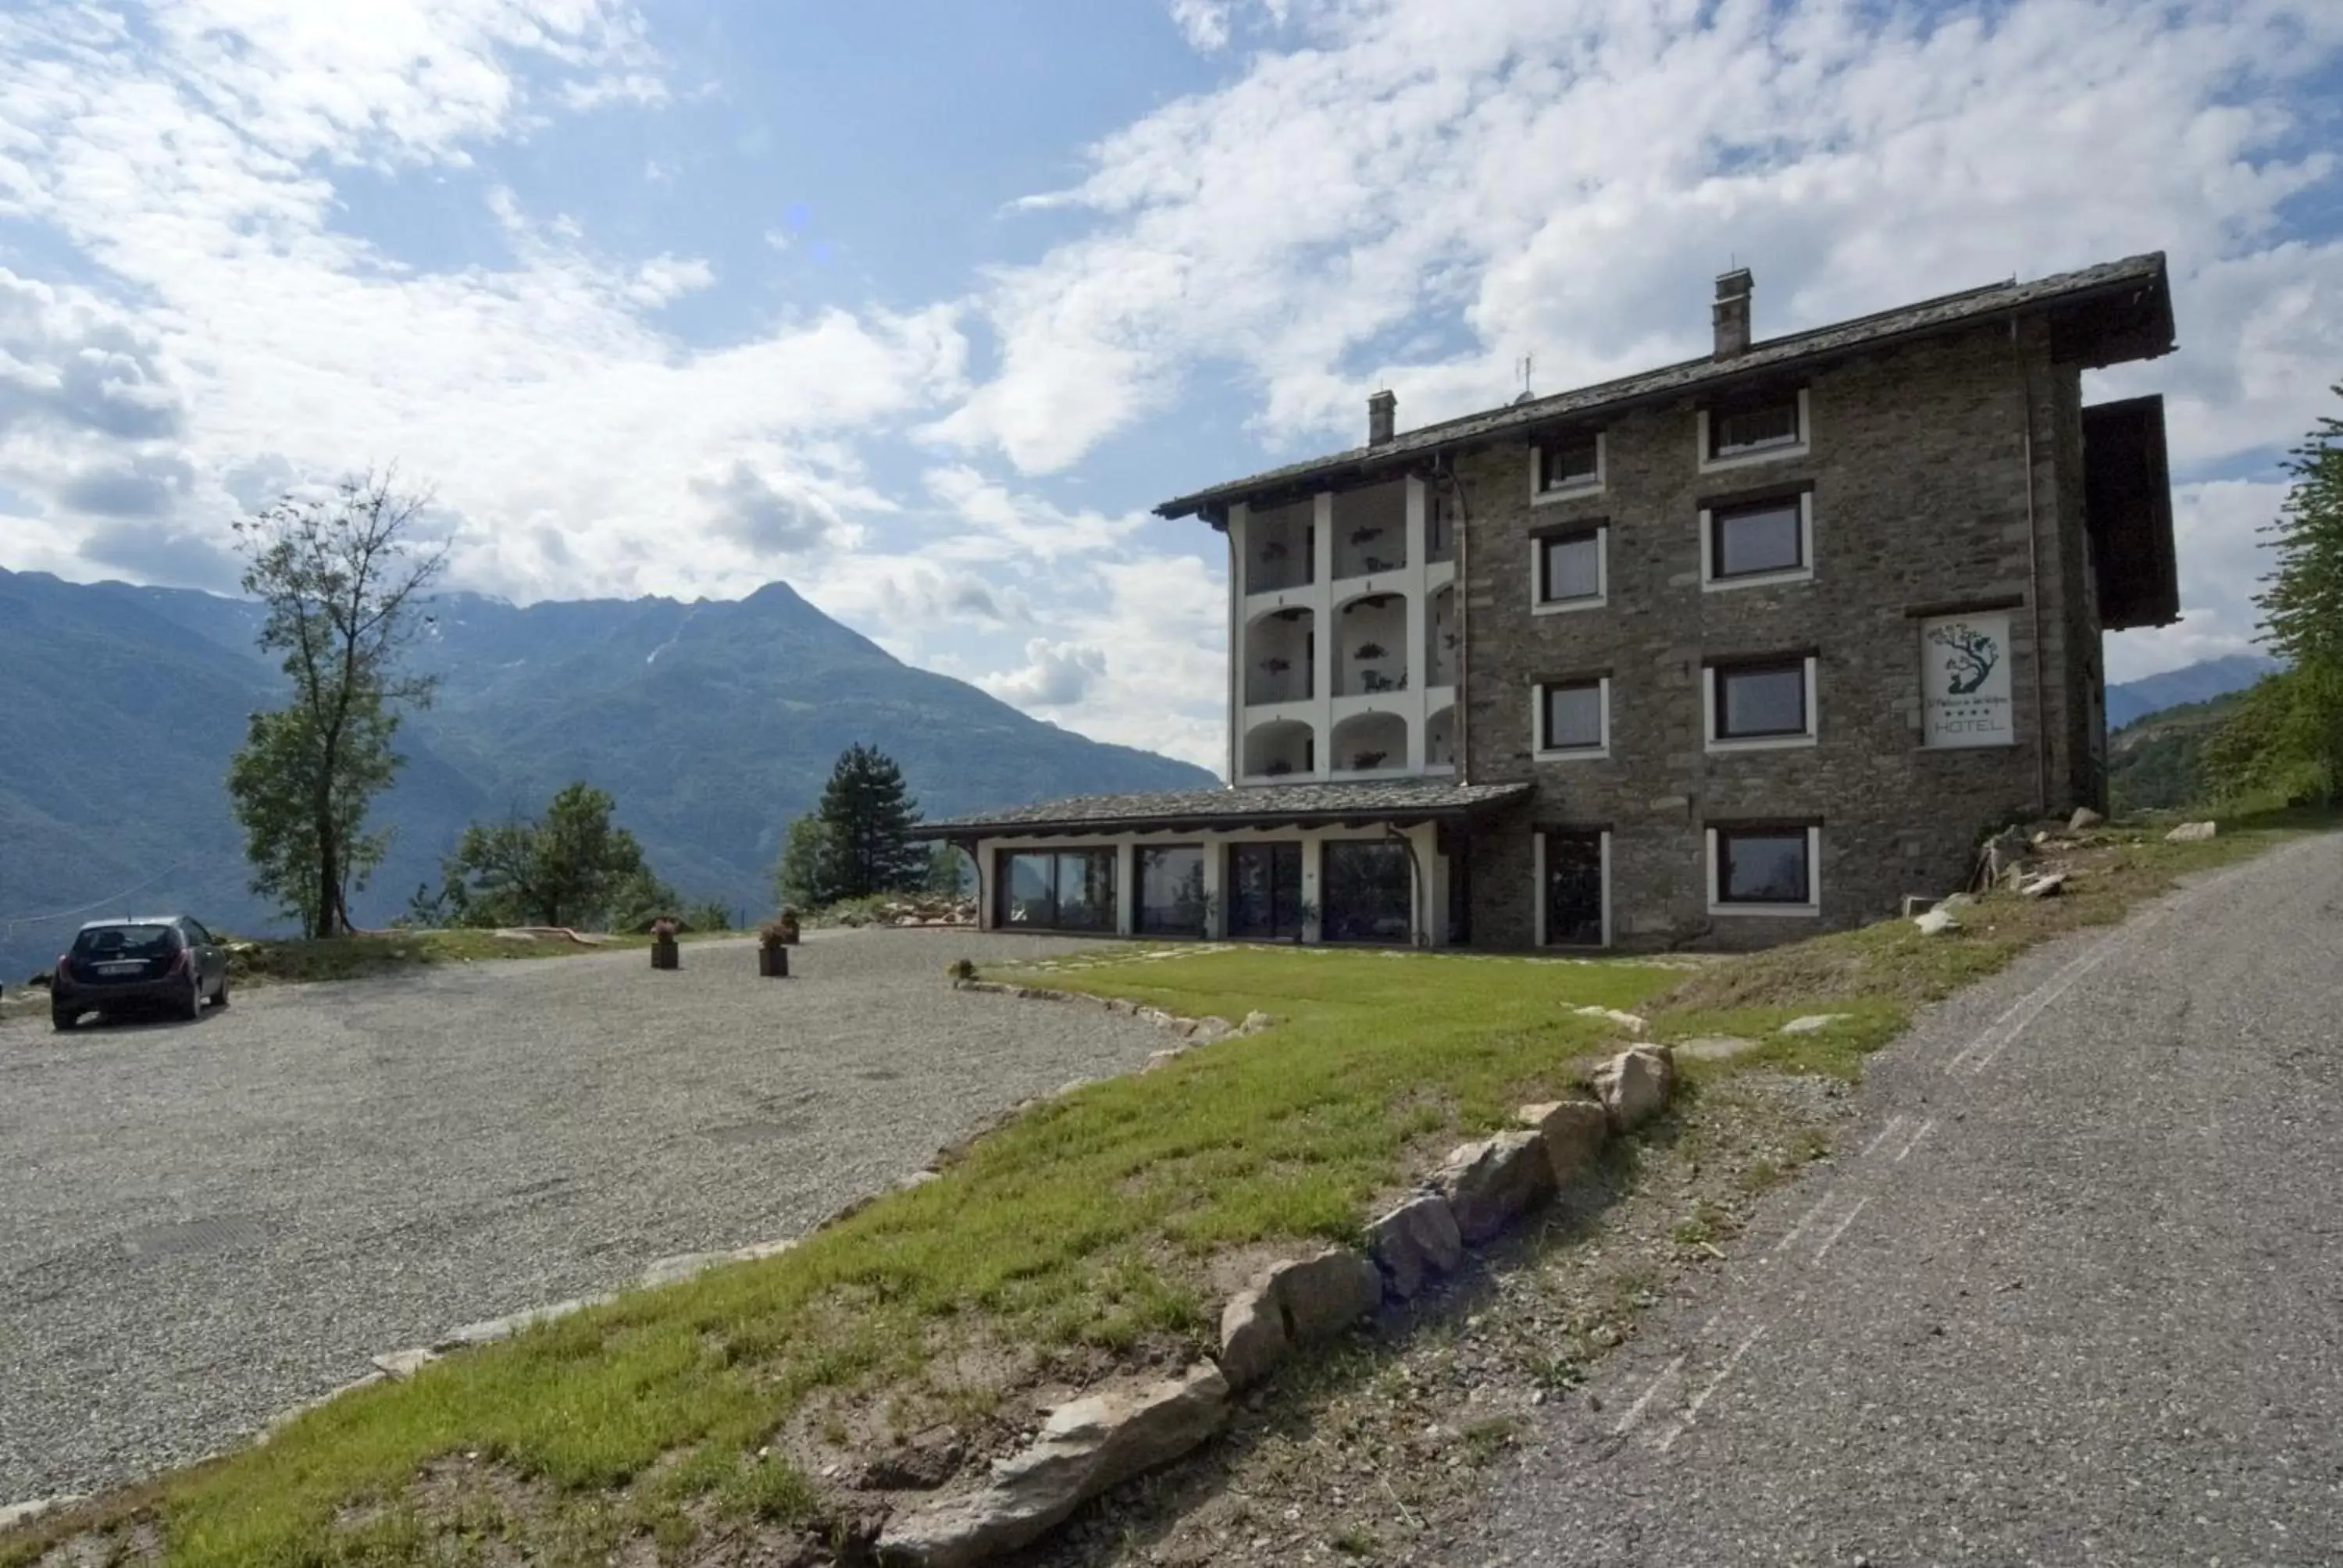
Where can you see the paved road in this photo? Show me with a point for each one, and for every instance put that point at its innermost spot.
(202, 1224)
(2074, 1295)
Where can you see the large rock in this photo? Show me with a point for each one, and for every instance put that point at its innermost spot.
(1573, 1131)
(1935, 922)
(1089, 1445)
(1489, 1182)
(1635, 1085)
(1414, 1242)
(2083, 818)
(1325, 1293)
(2192, 833)
(1253, 1336)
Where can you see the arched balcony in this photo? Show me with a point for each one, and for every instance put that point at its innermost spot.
(1440, 738)
(1371, 529)
(1284, 748)
(1281, 652)
(1371, 641)
(1440, 638)
(1370, 743)
(1281, 547)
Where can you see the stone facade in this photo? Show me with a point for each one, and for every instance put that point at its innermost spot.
(1923, 503)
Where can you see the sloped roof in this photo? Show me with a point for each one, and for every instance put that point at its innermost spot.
(1254, 805)
(2108, 314)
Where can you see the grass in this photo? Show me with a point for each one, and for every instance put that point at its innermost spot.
(283, 961)
(1079, 1236)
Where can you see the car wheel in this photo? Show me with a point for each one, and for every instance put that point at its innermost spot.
(64, 1020)
(193, 1007)
(221, 1000)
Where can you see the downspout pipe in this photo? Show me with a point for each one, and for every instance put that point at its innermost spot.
(2034, 586)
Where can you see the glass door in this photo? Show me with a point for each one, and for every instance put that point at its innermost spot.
(1573, 890)
(1265, 894)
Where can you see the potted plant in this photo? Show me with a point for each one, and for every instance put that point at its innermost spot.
(665, 954)
(1368, 650)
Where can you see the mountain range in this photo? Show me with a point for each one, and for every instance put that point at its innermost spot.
(2134, 701)
(711, 723)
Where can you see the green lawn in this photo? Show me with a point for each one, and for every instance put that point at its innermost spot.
(1081, 1230)
(286, 960)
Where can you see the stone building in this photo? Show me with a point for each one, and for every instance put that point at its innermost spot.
(1719, 654)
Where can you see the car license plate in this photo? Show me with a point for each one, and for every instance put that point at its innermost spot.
(121, 968)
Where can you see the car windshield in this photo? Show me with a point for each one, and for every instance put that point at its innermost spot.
(125, 943)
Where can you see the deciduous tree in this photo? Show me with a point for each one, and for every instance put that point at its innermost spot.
(342, 579)
(571, 867)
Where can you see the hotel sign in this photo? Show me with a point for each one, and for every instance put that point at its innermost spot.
(1964, 681)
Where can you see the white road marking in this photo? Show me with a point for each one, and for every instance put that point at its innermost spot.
(1708, 1390)
(1978, 1054)
(1799, 1229)
(1636, 1411)
(1885, 1133)
(1840, 1228)
(1914, 1142)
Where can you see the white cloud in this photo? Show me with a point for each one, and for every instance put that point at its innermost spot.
(666, 279)
(1433, 191)
(1054, 675)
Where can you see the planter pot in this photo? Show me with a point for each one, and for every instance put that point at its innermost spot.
(666, 954)
(773, 962)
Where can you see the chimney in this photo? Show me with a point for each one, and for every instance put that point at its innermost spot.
(1382, 417)
(1733, 313)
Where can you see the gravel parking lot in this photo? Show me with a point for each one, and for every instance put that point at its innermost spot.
(202, 1224)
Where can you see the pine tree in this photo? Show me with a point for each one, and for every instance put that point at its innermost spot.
(866, 820)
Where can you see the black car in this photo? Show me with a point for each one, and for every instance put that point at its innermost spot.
(166, 961)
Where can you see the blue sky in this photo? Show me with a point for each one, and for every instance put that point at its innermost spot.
(921, 306)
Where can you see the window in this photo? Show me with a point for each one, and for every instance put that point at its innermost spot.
(1767, 703)
(1757, 540)
(1574, 717)
(1758, 870)
(1751, 429)
(1571, 573)
(1369, 891)
(1068, 890)
(1172, 890)
(1567, 465)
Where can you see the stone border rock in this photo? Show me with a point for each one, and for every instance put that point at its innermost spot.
(1191, 1030)
(1095, 1443)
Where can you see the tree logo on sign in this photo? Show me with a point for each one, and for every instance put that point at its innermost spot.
(1971, 657)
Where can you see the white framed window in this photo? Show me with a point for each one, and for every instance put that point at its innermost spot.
(1757, 542)
(1765, 868)
(1572, 865)
(1570, 569)
(1564, 468)
(1761, 428)
(1757, 705)
(1570, 719)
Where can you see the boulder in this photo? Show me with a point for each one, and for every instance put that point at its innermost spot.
(1714, 1047)
(1811, 1022)
(1489, 1182)
(1573, 1131)
(1935, 922)
(2192, 833)
(2084, 817)
(1254, 1022)
(1253, 1336)
(1324, 1293)
(1414, 1242)
(2045, 886)
(1088, 1446)
(1635, 1085)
